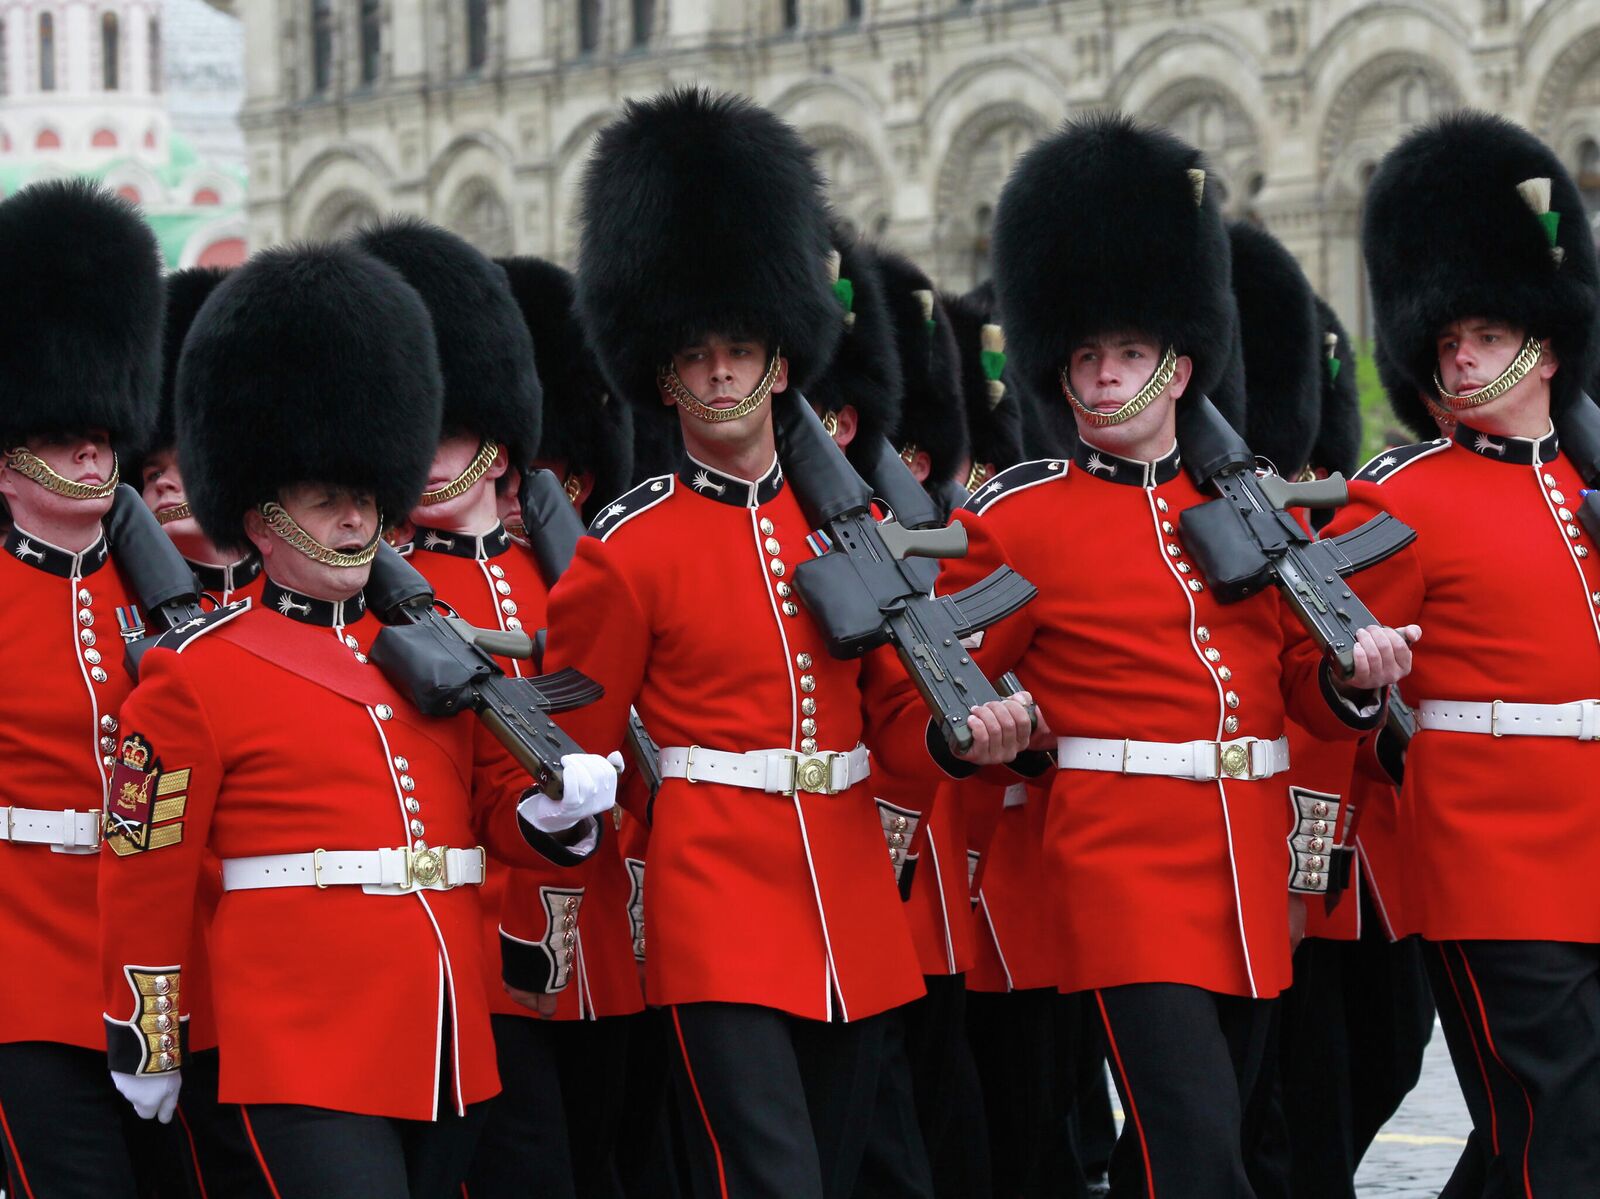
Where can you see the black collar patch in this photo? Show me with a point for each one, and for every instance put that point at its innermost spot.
(1102, 464)
(462, 545)
(1014, 479)
(1520, 451)
(305, 609)
(726, 489)
(52, 559)
(1390, 462)
(227, 578)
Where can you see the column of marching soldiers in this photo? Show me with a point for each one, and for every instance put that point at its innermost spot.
(980, 717)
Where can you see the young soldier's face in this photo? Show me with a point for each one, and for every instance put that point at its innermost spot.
(80, 457)
(161, 484)
(720, 372)
(1108, 371)
(455, 453)
(1475, 351)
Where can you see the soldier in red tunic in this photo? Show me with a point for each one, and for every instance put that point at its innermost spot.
(1485, 291)
(81, 356)
(775, 932)
(353, 831)
(1164, 840)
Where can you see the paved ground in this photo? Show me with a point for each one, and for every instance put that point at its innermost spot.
(1416, 1151)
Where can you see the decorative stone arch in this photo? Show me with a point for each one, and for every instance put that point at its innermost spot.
(1185, 50)
(227, 188)
(479, 213)
(336, 191)
(833, 99)
(1372, 28)
(1020, 80)
(1372, 107)
(855, 176)
(569, 161)
(1211, 117)
(129, 173)
(212, 243)
(971, 174)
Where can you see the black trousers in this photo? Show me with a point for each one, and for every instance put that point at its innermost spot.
(68, 1134)
(654, 1165)
(552, 1128)
(1013, 1038)
(224, 1165)
(1522, 1019)
(894, 1162)
(774, 1105)
(1090, 1132)
(1184, 1061)
(313, 1153)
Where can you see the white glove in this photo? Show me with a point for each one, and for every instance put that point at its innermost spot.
(152, 1095)
(588, 788)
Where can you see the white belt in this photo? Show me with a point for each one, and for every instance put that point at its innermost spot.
(1579, 719)
(1242, 758)
(63, 832)
(775, 771)
(377, 871)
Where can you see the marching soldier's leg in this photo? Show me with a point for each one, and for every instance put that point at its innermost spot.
(1183, 1059)
(592, 1060)
(895, 1162)
(839, 1068)
(314, 1153)
(63, 1123)
(653, 1166)
(217, 1146)
(1012, 1040)
(525, 1133)
(1536, 1005)
(1390, 1020)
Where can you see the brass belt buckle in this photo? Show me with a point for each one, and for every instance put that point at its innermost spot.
(1494, 719)
(813, 773)
(427, 867)
(316, 869)
(1233, 760)
(688, 766)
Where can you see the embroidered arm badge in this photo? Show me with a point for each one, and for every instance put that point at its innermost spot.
(145, 810)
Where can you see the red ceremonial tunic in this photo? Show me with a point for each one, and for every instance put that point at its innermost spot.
(680, 603)
(493, 582)
(328, 997)
(62, 657)
(932, 827)
(1155, 879)
(1505, 583)
(1018, 931)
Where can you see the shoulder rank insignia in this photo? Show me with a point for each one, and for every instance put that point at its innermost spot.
(178, 638)
(1391, 462)
(1014, 479)
(629, 504)
(145, 810)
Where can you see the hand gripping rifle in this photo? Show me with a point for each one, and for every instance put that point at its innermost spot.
(1244, 540)
(863, 593)
(553, 529)
(153, 569)
(445, 666)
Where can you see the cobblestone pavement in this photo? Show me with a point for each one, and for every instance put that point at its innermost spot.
(1417, 1149)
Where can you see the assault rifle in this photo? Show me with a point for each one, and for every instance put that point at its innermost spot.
(553, 529)
(153, 568)
(446, 667)
(1579, 427)
(864, 593)
(1244, 540)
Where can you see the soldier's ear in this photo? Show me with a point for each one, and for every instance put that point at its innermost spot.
(1182, 372)
(921, 466)
(1549, 362)
(780, 381)
(846, 422)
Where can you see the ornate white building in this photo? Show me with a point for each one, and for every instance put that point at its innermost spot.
(479, 113)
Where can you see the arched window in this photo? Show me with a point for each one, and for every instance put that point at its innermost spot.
(588, 26)
(103, 139)
(791, 14)
(852, 10)
(644, 20)
(321, 45)
(154, 47)
(110, 51)
(982, 233)
(206, 195)
(47, 139)
(371, 43)
(47, 52)
(130, 193)
(1589, 173)
(477, 34)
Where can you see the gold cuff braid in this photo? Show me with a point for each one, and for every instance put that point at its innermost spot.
(1145, 396)
(31, 466)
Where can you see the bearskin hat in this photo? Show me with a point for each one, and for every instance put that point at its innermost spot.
(1474, 216)
(1108, 225)
(1338, 446)
(491, 383)
(1406, 402)
(990, 397)
(703, 213)
(932, 416)
(80, 314)
(865, 370)
(307, 364)
(1281, 339)
(583, 426)
(657, 442)
(186, 291)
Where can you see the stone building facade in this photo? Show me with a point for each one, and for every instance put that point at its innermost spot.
(479, 113)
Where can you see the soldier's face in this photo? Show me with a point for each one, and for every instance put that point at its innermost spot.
(474, 506)
(721, 372)
(1108, 371)
(337, 517)
(161, 484)
(83, 457)
(1475, 351)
